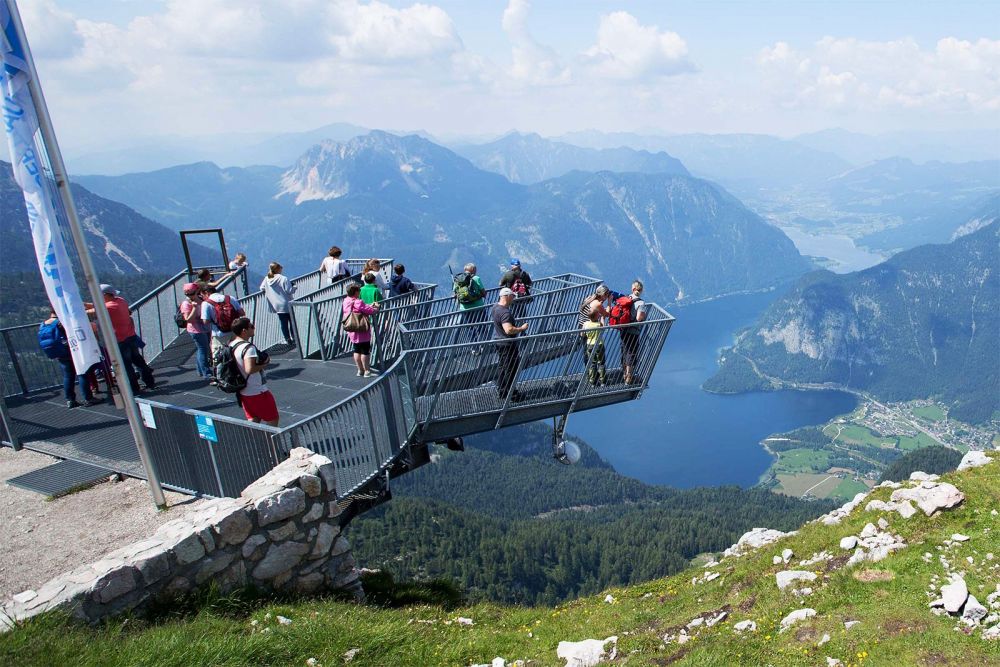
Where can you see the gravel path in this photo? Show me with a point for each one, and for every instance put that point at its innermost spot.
(42, 538)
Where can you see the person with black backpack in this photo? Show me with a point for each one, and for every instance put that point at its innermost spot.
(517, 281)
(245, 359)
(55, 344)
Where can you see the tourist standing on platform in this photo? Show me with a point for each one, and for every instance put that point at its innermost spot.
(256, 399)
(593, 354)
(505, 333)
(279, 292)
(240, 262)
(334, 267)
(219, 311)
(374, 267)
(128, 341)
(468, 288)
(517, 281)
(594, 303)
(205, 279)
(626, 311)
(55, 344)
(370, 293)
(199, 331)
(399, 284)
(356, 321)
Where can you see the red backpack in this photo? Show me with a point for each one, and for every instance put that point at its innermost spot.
(225, 313)
(621, 312)
(518, 287)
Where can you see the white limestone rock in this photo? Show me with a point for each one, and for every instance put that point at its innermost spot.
(280, 558)
(776, 560)
(786, 578)
(973, 459)
(280, 506)
(942, 496)
(868, 531)
(745, 626)
(755, 539)
(850, 624)
(849, 542)
(954, 595)
(974, 611)
(786, 555)
(587, 653)
(920, 476)
(906, 509)
(796, 616)
(959, 537)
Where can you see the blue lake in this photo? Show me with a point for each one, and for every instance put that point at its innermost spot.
(681, 436)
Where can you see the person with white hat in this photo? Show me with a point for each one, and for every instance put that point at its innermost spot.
(505, 333)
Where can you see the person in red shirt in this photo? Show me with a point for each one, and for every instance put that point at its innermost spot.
(128, 341)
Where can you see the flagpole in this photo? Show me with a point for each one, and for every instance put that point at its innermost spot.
(103, 318)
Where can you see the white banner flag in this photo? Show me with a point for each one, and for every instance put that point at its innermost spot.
(21, 124)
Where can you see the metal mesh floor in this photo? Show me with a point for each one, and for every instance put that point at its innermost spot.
(100, 435)
(60, 478)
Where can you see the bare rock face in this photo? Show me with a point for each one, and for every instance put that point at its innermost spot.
(973, 460)
(587, 653)
(755, 539)
(937, 497)
(787, 577)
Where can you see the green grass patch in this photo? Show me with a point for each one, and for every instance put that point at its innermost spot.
(908, 443)
(934, 413)
(803, 460)
(848, 488)
(417, 625)
(796, 484)
(853, 434)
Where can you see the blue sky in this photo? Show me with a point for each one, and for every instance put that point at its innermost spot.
(118, 70)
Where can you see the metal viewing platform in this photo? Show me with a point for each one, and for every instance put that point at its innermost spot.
(438, 380)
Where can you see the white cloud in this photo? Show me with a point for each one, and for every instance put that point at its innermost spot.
(532, 63)
(955, 76)
(53, 31)
(628, 50)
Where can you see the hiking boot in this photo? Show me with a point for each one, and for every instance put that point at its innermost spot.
(90, 402)
(72, 404)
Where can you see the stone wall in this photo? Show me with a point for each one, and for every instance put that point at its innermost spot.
(281, 534)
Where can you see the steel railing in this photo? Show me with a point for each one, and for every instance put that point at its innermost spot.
(319, 323)
(564, 298)
(446, 305)
(316, 280)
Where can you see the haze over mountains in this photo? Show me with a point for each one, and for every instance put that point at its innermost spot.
(423, 204)
(120, 240)
(924, 323)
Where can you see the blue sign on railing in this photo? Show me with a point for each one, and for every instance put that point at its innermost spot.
(206, 427)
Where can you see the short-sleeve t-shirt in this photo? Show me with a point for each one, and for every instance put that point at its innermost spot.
(335, 268)
(638, 306)
(196, 325)
(371, 293)
(502, 315)
(121, 319)
(255, 381)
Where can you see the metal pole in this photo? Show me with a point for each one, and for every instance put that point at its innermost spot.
(103, 318)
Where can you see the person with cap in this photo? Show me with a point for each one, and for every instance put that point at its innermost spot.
(517, 281)
(199, 331)
(256, 399)
(128, 340)
(594, 303)
(505, 333)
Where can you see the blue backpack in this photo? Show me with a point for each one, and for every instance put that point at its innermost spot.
(52, 340)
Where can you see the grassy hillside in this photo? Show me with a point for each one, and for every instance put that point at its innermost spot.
(419, 625)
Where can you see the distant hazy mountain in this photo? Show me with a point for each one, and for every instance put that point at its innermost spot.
(743, 163)
(951, 146)
(406, 197)
(528, 158)
(234, 149)
(120, 240)
(924, 323)
(929, 200)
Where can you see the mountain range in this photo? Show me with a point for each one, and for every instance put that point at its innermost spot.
(411, 199)
(120, 240)
(529, 158)
(925, 323)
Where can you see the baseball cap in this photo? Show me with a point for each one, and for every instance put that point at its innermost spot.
(514, 261)
(602, 290)
(190, 288)
(108, 289)
(506, 291)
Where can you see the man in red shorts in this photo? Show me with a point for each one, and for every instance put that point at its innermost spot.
(255, 399)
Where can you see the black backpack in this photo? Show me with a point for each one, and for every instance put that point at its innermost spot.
(227, 374)
(179, 319)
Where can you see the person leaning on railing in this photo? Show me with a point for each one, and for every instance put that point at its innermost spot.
(200, 332)
(630, 334)
(505, 333)
(128, 340)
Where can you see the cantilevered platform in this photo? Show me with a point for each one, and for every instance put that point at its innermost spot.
(100, 434)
